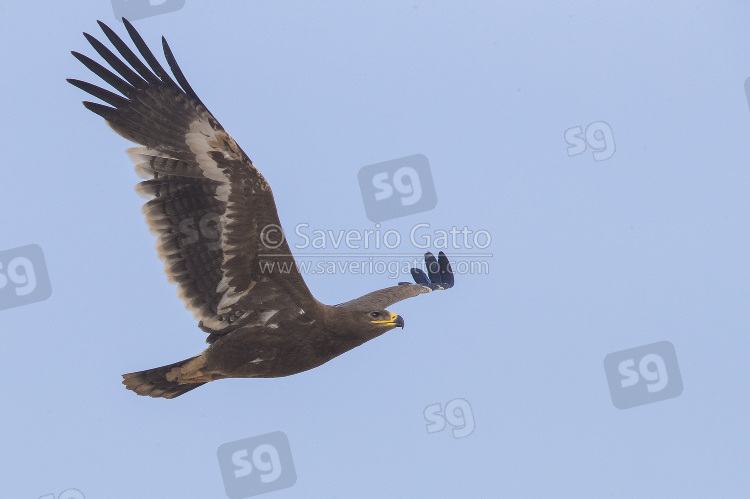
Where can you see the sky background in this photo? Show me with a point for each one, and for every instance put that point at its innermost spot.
(588, 257)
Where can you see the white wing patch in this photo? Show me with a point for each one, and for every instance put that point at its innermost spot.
(218, 324)
(266, 316)
(202, 139)
(229, 297)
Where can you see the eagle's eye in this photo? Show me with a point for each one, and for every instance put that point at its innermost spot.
(374, 315)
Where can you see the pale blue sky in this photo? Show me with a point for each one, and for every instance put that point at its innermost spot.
(589, 257)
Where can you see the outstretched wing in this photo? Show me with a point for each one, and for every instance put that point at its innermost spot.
(213, 212)
(439, 276)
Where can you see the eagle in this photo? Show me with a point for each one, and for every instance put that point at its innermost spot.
(239, 278)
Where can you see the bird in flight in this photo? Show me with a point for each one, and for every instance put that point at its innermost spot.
(261, 319)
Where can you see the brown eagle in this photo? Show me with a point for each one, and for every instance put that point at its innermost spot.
(241, 284)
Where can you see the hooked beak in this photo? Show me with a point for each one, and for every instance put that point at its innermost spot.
(393, 321)
(399, 322)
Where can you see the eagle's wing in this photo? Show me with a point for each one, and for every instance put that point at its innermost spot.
(439, 276)
(439, 272)
(213, 212)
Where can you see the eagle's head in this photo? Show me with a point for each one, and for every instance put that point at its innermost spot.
(360, 324)
(384, 318)
(370, 321)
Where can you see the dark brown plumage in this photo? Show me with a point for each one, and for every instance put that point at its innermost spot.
(247, 294)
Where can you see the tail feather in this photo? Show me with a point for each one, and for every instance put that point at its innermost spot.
(154, 382)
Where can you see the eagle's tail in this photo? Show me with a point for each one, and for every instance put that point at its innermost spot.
(161, 381)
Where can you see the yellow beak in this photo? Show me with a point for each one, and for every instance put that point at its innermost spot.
(393, 321)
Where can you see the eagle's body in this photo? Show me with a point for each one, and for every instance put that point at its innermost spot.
(220, 239)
